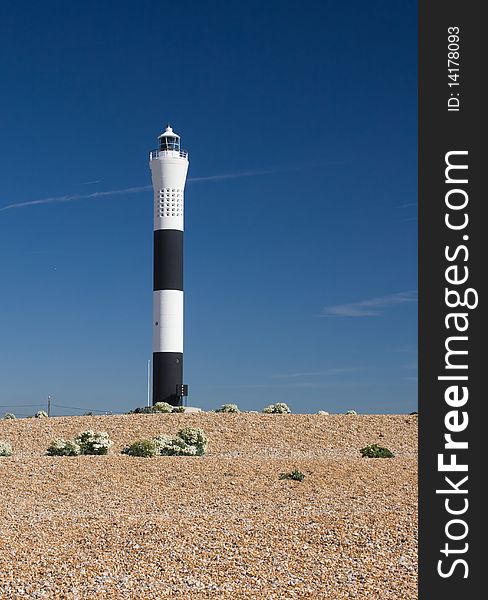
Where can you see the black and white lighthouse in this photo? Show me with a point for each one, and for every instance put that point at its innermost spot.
(169, 166)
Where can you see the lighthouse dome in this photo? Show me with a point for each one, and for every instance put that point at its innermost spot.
(169, 140)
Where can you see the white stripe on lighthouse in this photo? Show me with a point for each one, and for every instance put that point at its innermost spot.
(168, 321)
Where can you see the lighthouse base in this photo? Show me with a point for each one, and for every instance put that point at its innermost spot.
(167, 374)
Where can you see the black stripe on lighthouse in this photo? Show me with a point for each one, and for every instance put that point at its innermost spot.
(168, 259)
(167, 374)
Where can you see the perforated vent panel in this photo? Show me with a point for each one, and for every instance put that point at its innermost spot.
(170, 203)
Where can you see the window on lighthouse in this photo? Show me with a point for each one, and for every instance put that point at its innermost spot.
(167, 142)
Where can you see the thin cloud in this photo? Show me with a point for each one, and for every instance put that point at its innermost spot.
(240, 174)
(134, 190)
(74, 197)
(325, 373)
(373, 307)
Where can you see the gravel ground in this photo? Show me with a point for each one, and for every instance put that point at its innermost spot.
(219, 526)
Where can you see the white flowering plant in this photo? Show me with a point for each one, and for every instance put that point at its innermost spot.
(62, 447)
(351, 412)
(189, 441)
(173, 445)
(194, 436)
(93, 442)
(5, 449)
(9, 416)
(278, 408)
(162, 407)
(228, 408)
(41, 414)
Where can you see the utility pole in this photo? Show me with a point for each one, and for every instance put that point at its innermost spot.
(49, 406)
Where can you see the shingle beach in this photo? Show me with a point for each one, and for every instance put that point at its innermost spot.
(219, 526)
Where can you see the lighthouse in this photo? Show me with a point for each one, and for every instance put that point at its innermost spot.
(169, 167)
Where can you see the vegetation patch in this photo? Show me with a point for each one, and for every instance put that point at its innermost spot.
(93, 442)
(375, 451)
(194, 436)
(143, 448)
(41, 414)
(159, 407)
(173, 445)
(62, 447)
(87, 442)
(295, 475)
(189, 441)
(228, 408)
(141, 410)
(5, 449)
(280, 408)
(162, 407)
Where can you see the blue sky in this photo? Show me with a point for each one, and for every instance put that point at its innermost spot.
(300, 263)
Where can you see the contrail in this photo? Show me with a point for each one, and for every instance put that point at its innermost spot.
(135, 190)
(240, 174)
(72, 198)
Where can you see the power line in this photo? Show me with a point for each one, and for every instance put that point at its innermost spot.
(81, 408)
(19, 405)
(19, 415)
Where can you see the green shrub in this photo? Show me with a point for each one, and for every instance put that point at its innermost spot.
(159, 407)
(41, 414)
(144, 448)
(228, 408)
(351, 412)
(141, 410)
(194, 436)
(162, 407)
(93, 442)
(189, 441)
(295, 475)
(172, 445)
(278, 408)
(5, 449)
(62, 447)
(9, 416)
(375, 451)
